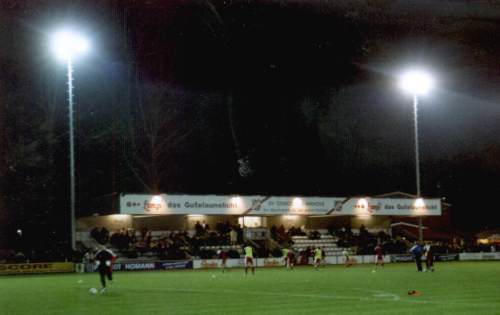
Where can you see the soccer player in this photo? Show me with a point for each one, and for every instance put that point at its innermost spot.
(285, 256)
(223, 257)
(429, 257)
(347, 259)
(249, 258)
(104, 260)
(379, 257)
(290, 259)
(323, 256)
(318, 254)
(416, 250)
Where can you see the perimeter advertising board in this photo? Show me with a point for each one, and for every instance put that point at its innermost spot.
(31, 268)
(153, 265)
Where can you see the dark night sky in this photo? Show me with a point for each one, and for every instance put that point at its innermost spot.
(310, 87)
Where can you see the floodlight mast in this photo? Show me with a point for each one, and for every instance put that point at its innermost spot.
(67, 46)
(417, 83)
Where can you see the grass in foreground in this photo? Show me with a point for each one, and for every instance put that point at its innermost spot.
(455, 288)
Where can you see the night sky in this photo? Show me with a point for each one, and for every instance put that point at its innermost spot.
(174, 93)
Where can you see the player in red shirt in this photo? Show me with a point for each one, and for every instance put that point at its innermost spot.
(379, 256)
(223, 257)
(429, 257)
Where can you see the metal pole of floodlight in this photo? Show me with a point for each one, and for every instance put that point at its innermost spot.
(68, 45)
(416, 82)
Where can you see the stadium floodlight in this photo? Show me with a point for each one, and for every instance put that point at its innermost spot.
(156, 200)
(416, 82)
(297, 203)
(66, 46)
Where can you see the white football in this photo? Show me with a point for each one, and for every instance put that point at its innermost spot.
(93, 291)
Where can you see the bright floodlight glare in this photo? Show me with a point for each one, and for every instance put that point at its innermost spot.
(416, 82)
(297, 203)
(67, 45)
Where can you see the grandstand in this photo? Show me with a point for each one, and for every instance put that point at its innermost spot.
(194, 226)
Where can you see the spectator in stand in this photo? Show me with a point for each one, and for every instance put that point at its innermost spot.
(132, 236)
(104, 235)
(362, 229)
(233, 237)
(144, 231)
(219, 227)
(198, 229)
(416, 250)
(281, 231)
(274, 232)
(148, 239)
(162, 249)
(239, 230)
(95, 234)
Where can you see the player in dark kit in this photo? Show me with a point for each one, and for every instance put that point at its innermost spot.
(104, 259)
(416, 250)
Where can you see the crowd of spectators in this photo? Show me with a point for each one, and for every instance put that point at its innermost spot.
(284, 236)
(171, 245)
(100, 235)
(181, 244)
(364, 242)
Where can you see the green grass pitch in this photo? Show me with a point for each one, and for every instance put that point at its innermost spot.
(455, 288)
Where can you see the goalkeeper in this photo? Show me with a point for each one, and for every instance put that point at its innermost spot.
(104, 259)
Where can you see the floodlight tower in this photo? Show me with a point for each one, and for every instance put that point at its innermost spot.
(416, 82)
(67, 45)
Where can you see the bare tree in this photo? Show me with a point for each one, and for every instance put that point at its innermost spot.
(155, 134)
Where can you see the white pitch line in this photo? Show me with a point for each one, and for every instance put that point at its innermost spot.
(379, 296)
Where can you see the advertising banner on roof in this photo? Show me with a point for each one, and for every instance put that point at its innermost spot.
(184, 204)
(293, 205)
(268, 205)
(391, 206)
